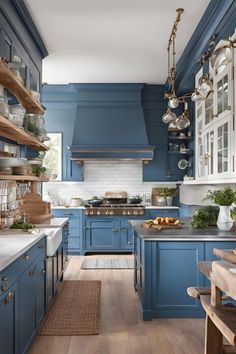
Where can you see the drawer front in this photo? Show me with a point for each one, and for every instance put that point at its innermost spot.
(69, 213)
(27, 258)
(8, 276)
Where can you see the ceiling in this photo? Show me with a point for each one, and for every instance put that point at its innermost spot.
(111, 40)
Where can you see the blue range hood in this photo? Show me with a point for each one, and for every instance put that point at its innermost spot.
(110, 124)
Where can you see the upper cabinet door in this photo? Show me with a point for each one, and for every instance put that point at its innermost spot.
(223, 88)
(215, 126)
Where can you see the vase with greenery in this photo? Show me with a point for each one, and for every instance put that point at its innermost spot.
(225, 198)
(168, 193)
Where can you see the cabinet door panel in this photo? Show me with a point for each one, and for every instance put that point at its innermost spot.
(9, 323)
(177, 269)
(40, 289)
(101, 234)
(126, 236)
(27, 306)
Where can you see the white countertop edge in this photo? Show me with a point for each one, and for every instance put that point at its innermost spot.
(53, 222)
(5, 263)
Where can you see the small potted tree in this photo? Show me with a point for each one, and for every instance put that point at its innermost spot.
(224, 198)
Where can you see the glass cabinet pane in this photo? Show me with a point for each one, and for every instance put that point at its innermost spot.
(222, 94)
(223, 148)
(19, 62)
(209, 108)
(200, 150)
(209, 153)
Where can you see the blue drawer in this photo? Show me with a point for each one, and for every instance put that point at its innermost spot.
(27, 258)
(8, 276)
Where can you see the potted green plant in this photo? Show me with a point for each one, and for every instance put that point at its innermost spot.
(168, 193)
(38, 171)
(224, 198)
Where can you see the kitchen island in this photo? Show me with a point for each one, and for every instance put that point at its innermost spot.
(166, 265)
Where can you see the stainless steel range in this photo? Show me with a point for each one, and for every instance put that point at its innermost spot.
(115, 203)
(115, 209)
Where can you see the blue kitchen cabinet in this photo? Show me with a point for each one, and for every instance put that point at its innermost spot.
(40, 288)
(126, 235)
(101, 234)
(61, 104)
(49, 280)
(27, 306)
(153, 213)
(175, 268)
(9, 320)
(32, 292)
(74, 232)
(164, 270)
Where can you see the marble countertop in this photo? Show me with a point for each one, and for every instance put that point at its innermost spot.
(184, 234)
(53, 222)
(14, 243)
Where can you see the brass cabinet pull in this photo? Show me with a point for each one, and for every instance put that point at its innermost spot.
(130, 243)
(26, 257)
(40, 246)
(114, 229)
(9, 298)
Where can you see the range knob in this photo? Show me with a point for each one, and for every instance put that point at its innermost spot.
(107, 212)
(98, 212)
(129, 212)
(86, 212)
(124, 212)
(91, 212)
(141, 212)
(111, 212)
(136, 212)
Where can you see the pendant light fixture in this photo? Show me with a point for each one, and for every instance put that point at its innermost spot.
(173, 100)
(222, 55)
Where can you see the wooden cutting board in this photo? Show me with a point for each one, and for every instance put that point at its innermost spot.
(161, 226)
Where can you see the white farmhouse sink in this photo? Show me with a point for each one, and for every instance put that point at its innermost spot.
(54, 238)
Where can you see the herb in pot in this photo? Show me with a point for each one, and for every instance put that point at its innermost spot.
(204, 217)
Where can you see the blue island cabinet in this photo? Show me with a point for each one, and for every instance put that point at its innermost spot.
(164, 270)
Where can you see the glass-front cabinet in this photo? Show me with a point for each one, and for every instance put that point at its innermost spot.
(215, 126)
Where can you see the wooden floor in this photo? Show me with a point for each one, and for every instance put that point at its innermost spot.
(122, 329)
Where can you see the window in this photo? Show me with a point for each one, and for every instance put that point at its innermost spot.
(53, 157)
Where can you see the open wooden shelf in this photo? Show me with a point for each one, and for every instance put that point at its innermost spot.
(11, 131)
(23, 178)
(20, 178)
(11, 83)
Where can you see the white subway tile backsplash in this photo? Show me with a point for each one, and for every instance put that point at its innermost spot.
(99, 178)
